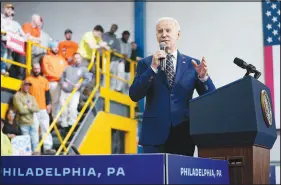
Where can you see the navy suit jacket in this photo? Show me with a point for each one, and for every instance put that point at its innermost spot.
(165, 106)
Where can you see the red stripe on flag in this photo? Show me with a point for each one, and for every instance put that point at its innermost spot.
(268, 70)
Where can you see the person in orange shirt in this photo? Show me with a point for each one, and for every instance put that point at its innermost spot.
(32, 29)
(40, 90)
(67, 48)
(53, 66)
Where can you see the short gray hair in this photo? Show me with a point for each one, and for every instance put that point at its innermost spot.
(170, 19)
(35, 16)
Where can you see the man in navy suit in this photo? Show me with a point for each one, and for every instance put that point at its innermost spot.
(168, 89)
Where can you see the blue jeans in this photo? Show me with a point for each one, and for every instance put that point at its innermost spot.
(32, 131)
(3, 67)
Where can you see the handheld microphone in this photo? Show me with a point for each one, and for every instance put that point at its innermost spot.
(162, 60)
(249, 67)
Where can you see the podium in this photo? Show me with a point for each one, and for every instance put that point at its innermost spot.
(236, 123)
(113, 169)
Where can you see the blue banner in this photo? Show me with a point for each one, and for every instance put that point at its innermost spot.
(190, 170)
(272, 175)
(104, 169)
(113, 169)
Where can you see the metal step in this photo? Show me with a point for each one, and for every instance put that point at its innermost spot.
(84, 126)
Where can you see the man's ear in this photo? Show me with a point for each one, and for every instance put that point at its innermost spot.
(179, 34)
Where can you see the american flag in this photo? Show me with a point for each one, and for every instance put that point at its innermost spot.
(271, 35)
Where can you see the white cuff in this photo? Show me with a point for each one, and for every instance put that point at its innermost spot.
(155, 70)
(204, 79)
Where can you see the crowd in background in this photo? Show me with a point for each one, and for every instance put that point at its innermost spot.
(55, 73)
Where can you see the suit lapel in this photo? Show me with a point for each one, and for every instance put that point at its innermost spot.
(181, 67)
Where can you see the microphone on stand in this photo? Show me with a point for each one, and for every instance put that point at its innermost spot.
(249, 67)
(162, 60)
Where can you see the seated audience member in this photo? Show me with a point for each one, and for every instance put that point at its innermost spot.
(38, 52)
(67, 48)
(126, 51)
(114, 44)
(10, 26)
(40, 90)
(53, 66)
(6, 146)
(69, 80)
(25, 106)
(11, 128)
(90, 41)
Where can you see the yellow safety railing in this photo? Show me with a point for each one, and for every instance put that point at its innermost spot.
(106, 57)
(30, 44)
(53, 124)
(106, 72)
(108, 75)
(132, 68)
(96, 88)
(27, 66)
(28, 52)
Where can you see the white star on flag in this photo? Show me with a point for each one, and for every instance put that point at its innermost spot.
(273, 6)
(269, 39)
(274, 19)
(275, 32)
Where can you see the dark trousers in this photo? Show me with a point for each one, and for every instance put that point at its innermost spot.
(16, 71)
(178, 142)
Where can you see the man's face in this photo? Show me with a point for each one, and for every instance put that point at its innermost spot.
(134, 45)
(37, 21)
(25, 88)
(68, 36)
(126, 37)
(77, 59)
(11, 115)
(55, 49)
(167, 31)
(8, 11)
(97, 34)
(113, 28)
(36, 69)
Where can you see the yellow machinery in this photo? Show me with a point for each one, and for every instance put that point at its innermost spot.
(94, 135)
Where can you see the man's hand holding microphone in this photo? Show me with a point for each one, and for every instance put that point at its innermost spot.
(159, 57)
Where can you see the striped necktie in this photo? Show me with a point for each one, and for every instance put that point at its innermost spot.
(170, 71)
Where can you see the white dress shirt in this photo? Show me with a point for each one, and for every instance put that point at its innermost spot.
(175, 58)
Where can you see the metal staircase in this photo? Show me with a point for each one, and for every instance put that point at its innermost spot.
(113, 106)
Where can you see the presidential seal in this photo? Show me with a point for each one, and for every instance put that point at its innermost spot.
(266, 108)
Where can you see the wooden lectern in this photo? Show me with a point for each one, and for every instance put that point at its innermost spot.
(236, 123)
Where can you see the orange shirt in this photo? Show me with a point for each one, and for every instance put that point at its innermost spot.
(67, 48)
(28, 28)
(53, 67)
(38, 89)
